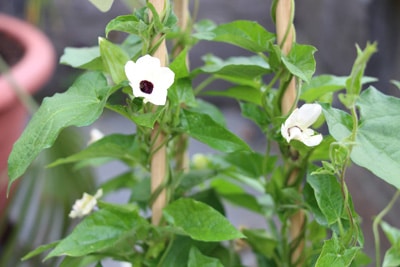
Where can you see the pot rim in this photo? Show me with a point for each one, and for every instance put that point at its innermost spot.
(36, 66)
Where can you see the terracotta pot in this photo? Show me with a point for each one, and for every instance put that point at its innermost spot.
(30, 72)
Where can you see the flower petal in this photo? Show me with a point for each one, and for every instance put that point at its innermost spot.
(165, 78)
(295, 133)
(158, 98)
(285, 132)
(312, 140)
(149, 61)
(307, 115)
(293, 119)
(148, 68)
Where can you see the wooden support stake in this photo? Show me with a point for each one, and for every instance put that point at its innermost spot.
(285, 35)
(158, 164)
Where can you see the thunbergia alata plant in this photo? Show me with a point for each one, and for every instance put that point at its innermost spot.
(175, 214)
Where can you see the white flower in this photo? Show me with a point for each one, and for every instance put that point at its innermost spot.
(149, 80)
(296, 125)
(95, 135)
(85, 205)
(125, 264)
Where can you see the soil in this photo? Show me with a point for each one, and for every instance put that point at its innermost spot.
(11, 49)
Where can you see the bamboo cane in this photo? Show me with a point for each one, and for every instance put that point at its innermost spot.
(285, 36)
(158, 164)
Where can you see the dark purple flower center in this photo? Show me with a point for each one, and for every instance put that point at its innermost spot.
(146, 87)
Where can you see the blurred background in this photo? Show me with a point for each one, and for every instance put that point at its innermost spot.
(333, 27)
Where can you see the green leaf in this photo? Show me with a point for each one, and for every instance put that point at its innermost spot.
(203, 29)
(339, 122)
(261, 241)
(313, 205)
(325, 84)
(249, 163)
(377, 142)
(114, 60)
(211, 198)
(353, 83)
(115, 146)
(102, 5)
(246, 93)
(80, 262)
(196, 259)
(181, 92)
(392, 257)
(127, 23)
(81, 105)
(84, 58)
(333, 255)
(199, 221)
(104, 230)
(321, 85)
(396, 83)
(236, 195)
(209, 109)
(392, 233)
(300, 61)
(203, 128)
(328, 195)
(242, 70)
(178, 253)
(192, 178)
(246, 34)
(255, 113)
(124, 180)
(179, 65)
(40, 250)
(148, 119)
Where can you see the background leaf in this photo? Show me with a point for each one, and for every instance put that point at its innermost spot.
(377, 143)
(199, 221)
(126, 23)
(325, 84)
(114, 59)
(246, 93)
(102, 5)
(84, 58)
(100, 231)
(246, 34)
(115, 146)
(339, 122)
(242, 70)
(81, 105)
(214, 134)
(354, 82)
(328, 195)
(333, 255)
(300, 61)
(196, 259)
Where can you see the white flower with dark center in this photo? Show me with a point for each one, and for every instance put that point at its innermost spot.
(85, 205)
(297, 125)
(149, 80)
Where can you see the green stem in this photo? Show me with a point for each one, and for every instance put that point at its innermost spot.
(268, 90)
(375, 224)
(203, 84)
(164, 256)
